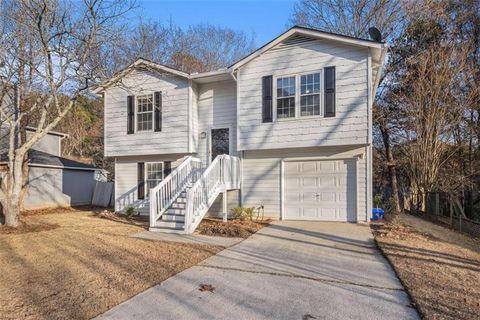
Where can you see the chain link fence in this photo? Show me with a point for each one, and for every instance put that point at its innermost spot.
(442, 208)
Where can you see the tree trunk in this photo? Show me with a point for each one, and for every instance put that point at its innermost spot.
(392, 170)
(11, 211)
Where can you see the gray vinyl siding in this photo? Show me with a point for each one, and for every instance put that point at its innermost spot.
(349, 126)
(174, 135)
(50, 144)
(262, 174)
(55, 187)
(216, 109)
(126, 182)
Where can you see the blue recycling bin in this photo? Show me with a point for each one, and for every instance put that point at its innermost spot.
(377, 214)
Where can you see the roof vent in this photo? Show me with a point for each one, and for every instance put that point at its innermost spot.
(294, 40)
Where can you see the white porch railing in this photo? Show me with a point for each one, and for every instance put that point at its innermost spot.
(222, 174)
(165, 193)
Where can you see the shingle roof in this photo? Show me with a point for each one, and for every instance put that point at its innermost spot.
(36, 157)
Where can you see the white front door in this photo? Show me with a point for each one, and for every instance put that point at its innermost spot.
(320, 190)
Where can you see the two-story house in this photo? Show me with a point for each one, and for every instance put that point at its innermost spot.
(287, 129)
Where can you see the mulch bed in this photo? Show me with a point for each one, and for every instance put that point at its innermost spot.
(231, 228)
(441, 275)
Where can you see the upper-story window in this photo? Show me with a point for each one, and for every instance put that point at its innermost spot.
(145, 112)
(310, 94)
(303, 95)
(286, 90)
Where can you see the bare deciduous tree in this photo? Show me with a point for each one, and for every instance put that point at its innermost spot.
(46, 66)
(431, 111)
(349, 17)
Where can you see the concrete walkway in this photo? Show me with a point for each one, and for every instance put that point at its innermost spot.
(188, 238)
(290, 270)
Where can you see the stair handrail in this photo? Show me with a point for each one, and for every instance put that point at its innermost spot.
(222, 174)
(165, 193)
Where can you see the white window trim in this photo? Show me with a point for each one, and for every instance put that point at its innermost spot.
(298, 95)
(145, 175)
(136, 112)
(320, 93)
(274, 94)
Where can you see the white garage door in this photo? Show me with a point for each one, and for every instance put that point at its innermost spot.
(320, 190)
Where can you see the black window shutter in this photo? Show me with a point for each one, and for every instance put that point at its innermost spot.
(130, 114)
(141, 180)
(167, 168)
(330, 92)
(267, 112)
(158, 111)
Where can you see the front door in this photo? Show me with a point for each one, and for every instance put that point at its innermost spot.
(220, 143)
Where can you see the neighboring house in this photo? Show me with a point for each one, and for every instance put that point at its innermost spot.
(295, 118)
(54, 181)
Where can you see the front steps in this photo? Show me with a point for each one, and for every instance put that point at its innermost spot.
(173, 220)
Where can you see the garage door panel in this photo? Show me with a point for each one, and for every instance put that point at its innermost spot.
(308, 167)
(328, 196)
(293, 212)
(293, 197)
(308, 182)
(320, 190)
(310, 212)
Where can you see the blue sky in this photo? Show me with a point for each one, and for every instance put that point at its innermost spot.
(266, 19)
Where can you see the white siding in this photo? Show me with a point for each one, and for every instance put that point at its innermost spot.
(262, 172)
(126, 180)
(194, 132)
(174, 135)
(216, 109)
(233, 201)
(349, 126)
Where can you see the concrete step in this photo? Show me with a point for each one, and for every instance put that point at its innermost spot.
(166, 230)
(175, 211)
(173, 217)
(169, 224)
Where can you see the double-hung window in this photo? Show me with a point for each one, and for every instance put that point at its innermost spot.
(310, 94)
(154, 175)
(286, 91)
(145, 112)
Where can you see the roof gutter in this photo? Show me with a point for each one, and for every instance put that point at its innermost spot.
(62, 167)
(380, 70)
(232, 73)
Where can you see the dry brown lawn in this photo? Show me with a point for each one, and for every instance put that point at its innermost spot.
(74, 265)
(440, 268)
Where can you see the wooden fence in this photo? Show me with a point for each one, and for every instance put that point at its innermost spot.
(103, 194)
(441, 208)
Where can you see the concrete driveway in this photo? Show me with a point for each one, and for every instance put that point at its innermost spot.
(290, 270)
